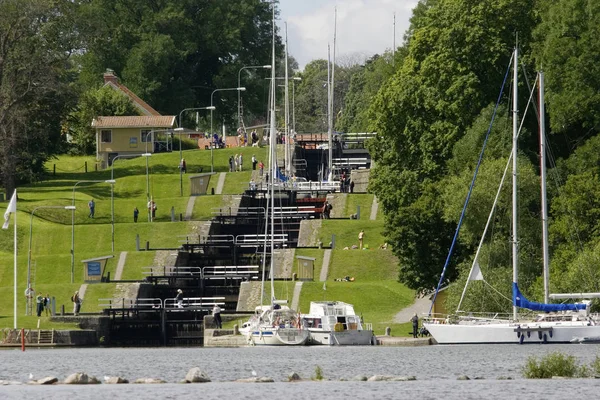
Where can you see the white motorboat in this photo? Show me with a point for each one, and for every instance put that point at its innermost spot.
(559, 323)
(335, 323)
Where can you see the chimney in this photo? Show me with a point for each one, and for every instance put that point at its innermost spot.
(109, 76)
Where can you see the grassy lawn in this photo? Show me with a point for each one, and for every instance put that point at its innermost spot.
(375, 293)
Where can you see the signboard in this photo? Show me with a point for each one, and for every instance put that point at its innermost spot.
(94, 268)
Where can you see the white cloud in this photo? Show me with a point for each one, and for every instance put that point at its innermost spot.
(363, 26)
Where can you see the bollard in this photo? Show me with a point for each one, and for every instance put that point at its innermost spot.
(212, 191)
(236, 330)
(294, 277)
(54, 170)
(180, 217)
(137, 242)
(358, 212)
(62, 310)
(147, 246)
(388, 331)
(86, 167)
(172, 214)
(332, 241)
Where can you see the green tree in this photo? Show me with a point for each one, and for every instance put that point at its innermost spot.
(457, 56)
(93, 103)
(37, 39)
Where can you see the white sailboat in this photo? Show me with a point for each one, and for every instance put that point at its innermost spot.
(557, 323)
(275, 324)
(335, 323)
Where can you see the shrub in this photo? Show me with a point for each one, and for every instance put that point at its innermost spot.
(318, 374)
(553, 364)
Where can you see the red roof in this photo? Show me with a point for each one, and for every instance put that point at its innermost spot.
(154, 121)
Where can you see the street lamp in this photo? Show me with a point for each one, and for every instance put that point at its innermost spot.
(240, 84)
(29, 252)
(239, 89)
(296, 78)
(180, 129)
(111, 182)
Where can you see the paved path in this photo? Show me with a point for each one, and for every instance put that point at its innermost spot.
(374, 209)
(220, 183)
(120, 266)
(190, 208)
(420, 306)
(296, 296)
(325, 268)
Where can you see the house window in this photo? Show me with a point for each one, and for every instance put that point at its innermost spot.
(146, 136)
(106, 136)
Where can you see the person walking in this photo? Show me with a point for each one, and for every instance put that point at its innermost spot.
(76, 303)
(261, 168)
(183, 166)
(136, 213)
(241, 161)
(216, 312)
(230, 163)
(39, 301)
(415, 324)
(92, 207)
(179, 298)
(254, 162)
(361, 236)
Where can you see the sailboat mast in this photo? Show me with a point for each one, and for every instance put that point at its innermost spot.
(287, 163)
(273, 163)
(515, 238)
(331, 90)
(329, 166)
(545, 251)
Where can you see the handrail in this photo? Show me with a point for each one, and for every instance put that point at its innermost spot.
(124, 303)
(194, 302)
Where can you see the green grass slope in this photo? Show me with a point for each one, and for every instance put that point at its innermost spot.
(375, 292)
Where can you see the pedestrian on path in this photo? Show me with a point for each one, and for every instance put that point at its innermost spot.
(216, 312)
(76, 303)
(92, 207)
(415, 324)
(136, 213)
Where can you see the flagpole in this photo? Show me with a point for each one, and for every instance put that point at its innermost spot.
(15, 261)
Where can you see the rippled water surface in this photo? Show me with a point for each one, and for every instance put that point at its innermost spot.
(435, 367)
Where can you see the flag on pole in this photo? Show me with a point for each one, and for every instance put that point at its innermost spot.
(476, 274)
(12, 208)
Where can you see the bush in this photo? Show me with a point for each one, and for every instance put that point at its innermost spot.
(554, 364)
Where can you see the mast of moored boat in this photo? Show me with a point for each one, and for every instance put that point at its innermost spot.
(545, 251)
(273, 164)
(515, 238)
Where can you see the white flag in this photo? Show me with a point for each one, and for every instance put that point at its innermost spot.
(476, 274)
(12, 208)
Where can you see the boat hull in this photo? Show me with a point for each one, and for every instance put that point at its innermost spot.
(278, 337)
(510, 333)
(343, 338)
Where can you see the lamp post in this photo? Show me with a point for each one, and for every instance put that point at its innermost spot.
(296, 78)
(180, 129)
(240, 84)
(239, 89)
(111, 182)
(72, 208)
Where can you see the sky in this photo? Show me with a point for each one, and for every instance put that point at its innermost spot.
(364, 27)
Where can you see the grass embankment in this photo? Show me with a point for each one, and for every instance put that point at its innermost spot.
(375, 292)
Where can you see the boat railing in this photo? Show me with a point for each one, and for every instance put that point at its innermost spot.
(471, 316)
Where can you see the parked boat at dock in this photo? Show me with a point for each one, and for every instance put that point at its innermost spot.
(335, 323)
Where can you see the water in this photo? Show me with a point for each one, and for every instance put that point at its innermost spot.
(436, 369)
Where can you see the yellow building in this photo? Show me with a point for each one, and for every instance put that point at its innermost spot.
(148, 132)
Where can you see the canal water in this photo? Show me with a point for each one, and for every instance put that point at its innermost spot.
(435, 367)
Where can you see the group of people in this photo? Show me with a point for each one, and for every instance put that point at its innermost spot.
(243, 137)
(43, 303)
(236, 163)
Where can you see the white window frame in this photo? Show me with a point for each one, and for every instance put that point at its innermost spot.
(104, 131)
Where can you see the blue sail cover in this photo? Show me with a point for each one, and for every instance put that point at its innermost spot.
(281, 176)
(520, 301)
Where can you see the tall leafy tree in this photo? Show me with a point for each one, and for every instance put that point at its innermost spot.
(457, 55)
(36, 40)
